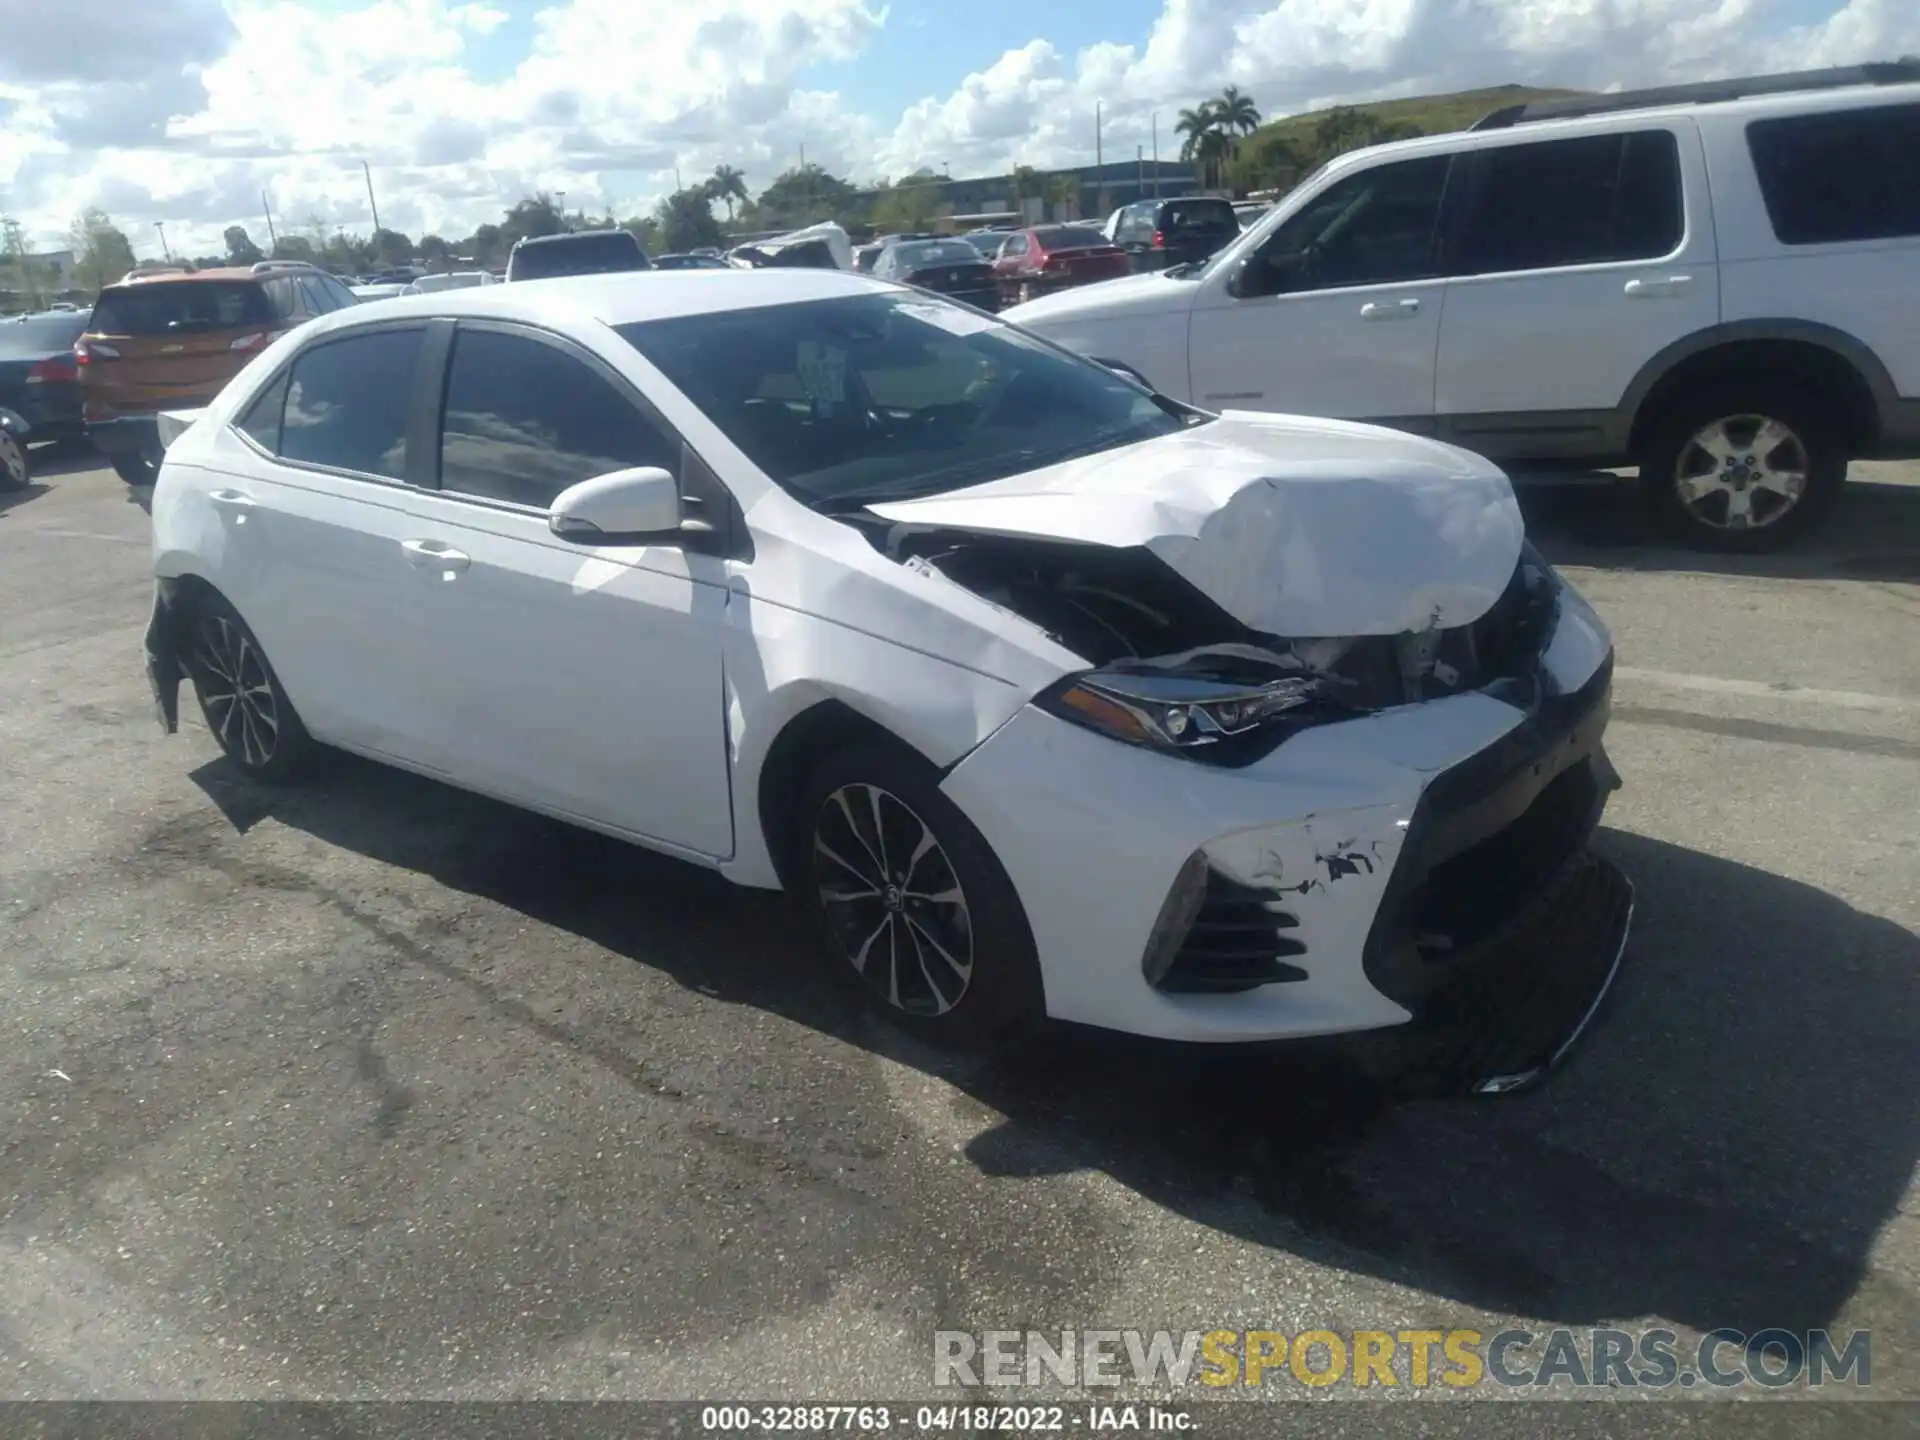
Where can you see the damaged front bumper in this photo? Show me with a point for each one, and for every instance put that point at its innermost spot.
(1416, 881)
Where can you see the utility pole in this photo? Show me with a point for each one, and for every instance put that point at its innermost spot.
(1156, 154)
(165, 249)
(266, 206)
(371, 203)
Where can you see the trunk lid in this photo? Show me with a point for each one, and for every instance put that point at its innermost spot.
(1296, 527)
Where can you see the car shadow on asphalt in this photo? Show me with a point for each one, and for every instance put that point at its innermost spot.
(13, 499)
(1722, 1150)
(1872, 534)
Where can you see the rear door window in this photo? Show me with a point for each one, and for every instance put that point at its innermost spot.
(181, 308)
(1587, 201)
(1844, 175)
(348, 401)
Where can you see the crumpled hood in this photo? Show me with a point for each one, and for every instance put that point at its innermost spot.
(1296, 527)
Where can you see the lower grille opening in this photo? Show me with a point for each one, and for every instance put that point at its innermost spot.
(1469, 897)
(1238, 941)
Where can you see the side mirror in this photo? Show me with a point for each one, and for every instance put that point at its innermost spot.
(627, 507)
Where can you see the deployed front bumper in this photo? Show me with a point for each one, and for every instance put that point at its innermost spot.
(1421, 873)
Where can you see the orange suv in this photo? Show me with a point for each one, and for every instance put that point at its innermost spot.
(170, 339)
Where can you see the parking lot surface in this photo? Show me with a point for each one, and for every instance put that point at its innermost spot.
(372, 1089)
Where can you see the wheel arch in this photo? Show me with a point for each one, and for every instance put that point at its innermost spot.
(1840, 369)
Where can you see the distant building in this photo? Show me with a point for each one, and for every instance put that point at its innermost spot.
(989, 199)
(55, 267)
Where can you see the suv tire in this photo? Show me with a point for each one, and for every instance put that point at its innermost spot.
(135, 467)
(1742, 466)
(900, 916)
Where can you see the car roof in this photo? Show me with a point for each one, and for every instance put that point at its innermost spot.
(566, 235)
(617, 299)
(185, 277)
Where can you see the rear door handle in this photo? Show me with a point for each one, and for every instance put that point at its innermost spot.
(232, 499)
(1649, 287)
(435, 555)
(1398, 310)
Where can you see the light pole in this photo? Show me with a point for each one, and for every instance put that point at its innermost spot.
(165, 249)
(372, 204)
(560, 208)
(266, 207)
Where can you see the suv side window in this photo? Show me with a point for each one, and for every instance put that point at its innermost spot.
(524, 420)
(347, 402)
(1572, 202)
(1015, 247)
(1373, 228)
(1844, 175)
(284, 297)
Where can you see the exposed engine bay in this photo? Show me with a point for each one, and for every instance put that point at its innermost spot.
(1127, 612)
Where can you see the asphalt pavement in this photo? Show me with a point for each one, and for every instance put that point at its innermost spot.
(373, 1089)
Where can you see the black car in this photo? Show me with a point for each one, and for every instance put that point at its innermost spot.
(1159, 234)
(692, 260)
(39, 379)
(950, 267)
(576, 252)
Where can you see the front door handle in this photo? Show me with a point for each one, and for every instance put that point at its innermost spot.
(1650, 287)
(231, 499)
(435, 555)
(1398, 310)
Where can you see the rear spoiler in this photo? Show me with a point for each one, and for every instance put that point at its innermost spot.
(175, 423)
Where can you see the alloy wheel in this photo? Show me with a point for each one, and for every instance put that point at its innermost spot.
(13, 462)
(1741, 472)
(892, 900)
(237, 690)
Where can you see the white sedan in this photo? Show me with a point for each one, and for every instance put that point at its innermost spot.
(1046, 695)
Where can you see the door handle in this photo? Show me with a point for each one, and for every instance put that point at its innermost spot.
(435, 555)
(231, 499)
(1398, 310)
(1655, 288)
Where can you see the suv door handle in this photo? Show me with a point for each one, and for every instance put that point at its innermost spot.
(1399, 310)
(435, 555)
(231, 499)
(1655, 288)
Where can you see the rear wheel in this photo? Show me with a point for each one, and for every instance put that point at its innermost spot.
(136, 467)
(240, 695)
(15, 471)
(1743, 467)
(910, 902)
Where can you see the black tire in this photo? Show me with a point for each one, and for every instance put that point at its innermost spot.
(1733, 415)
(136, 467)
(16, 465)
(241, 696)
(914, 971)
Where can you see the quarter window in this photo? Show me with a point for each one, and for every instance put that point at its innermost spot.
(1573, 202)
(347, 403)
(261, 422)
(1845, 175)
(525, 420)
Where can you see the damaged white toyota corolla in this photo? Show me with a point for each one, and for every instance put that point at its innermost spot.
(1047, 695)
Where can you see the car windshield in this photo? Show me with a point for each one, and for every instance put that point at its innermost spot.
(172, 308)
(921, 253)
(40, 334)
(578, 255)
(867, 398)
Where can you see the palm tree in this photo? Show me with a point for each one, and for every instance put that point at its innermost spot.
(727, 185)
(1204, 143)
(1064, 193)
(1235, 112)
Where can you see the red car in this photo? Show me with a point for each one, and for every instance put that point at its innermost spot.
(1054, 257)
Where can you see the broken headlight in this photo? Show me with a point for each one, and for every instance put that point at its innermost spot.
(1189, 713)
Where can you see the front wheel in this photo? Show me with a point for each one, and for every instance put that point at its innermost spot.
(910, 902)
(241, 697)
(1743, 468)
(15, 470)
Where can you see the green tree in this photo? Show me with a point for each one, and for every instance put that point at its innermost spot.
(30, 280)
(102, 252)
(1204, 142)
(295, 247)
(646, 230)
(1235, 112)
(727, 185)
(240, 247)
(801, 196)
(912, 204)
(1063, 194)
(535, 215)
(686, 222)
(431, 248)
(389, 247)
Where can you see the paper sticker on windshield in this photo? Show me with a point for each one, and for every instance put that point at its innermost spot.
(823, 372)
(950, 318)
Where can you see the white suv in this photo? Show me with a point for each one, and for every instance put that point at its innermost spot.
(1718, 283)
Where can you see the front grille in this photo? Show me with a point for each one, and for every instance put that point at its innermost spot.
(1239, 940)
(1467, 898)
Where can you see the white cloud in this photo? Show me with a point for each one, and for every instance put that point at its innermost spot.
(184, 111)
